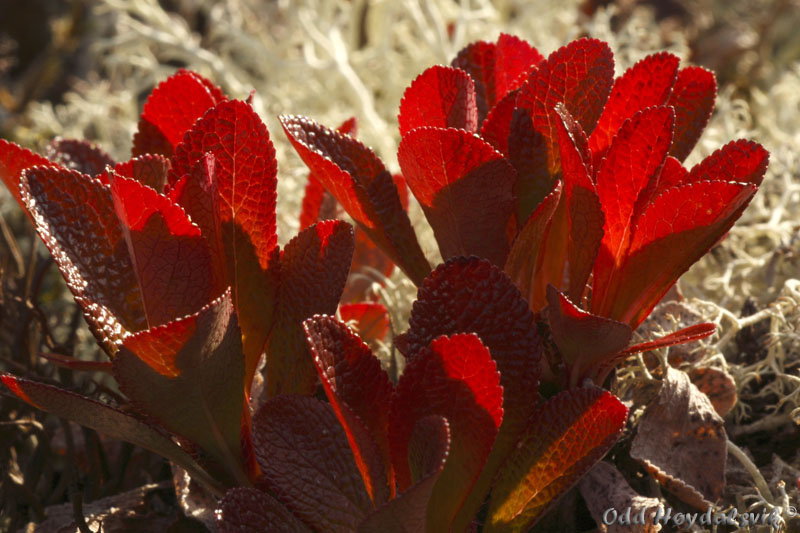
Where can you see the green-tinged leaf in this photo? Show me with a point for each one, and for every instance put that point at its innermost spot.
(574, 430)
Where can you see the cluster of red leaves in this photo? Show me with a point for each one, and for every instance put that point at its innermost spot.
(556, 195)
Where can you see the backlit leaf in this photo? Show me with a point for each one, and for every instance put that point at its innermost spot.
(632, 162)
(742, 161)
(678, 228)
(648, 83)
(440, 97)
(579, 75)
(573, 431)
(246, 181)
(693, 99)
(355, 176)
(171, 109)
(369, 319)
(74, 215)
(314, 268)
(13, 160)
(189, 376)
(169, 254)
(356, 386)
(148, 169)
(464, 187)
(456, 378)
(497, 126)
(307, 464)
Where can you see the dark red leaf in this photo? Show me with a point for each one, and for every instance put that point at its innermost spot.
(66, 361)
(148, 169)
(369, 319)
(249, 510)
(742, 161)
(246, 181)
(189, 376)
(464, 187)
(496, 68)
(579, 75)
(648, 83)
(13, 160)
(678, 228)
(440, 97)
(582, 208)
(197, 194)
(74, 215)
(693, 99)
(354, 175)
(497, 126)
(525, 253)
(306, 462)
(357, 388)
(632, 162)
(672, 174)
(573, 431)
(456, 378)
(428, 450)
(169, 254)
(314, 268)
(107, 420)
(584, 340)
(171, 109)
(318, 204)
(469, 295)
(78, 155)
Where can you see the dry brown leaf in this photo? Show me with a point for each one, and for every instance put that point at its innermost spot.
(682, 442)
(604, 488)
(718, 385)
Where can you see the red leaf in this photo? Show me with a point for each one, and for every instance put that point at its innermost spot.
(148, 169)
(469, 295)
(318, 204)
(633, 161)
(584, 340)
(454, 377)
(359, 390)
(440, 97)
(678, 228)
(360, 183)
(314, 268)
(693, 99)
(496, 68)
(497, 126)
(579, 75)
(13, 160)
(464, 187)
(306, 462)
(189, 376)
(249, 510)
(78, 155)
(742, 161)
(583, 210)
(246, 181)
(672, 174)
(525, 251)
(197, 194)
(648, 83)
(169, 254)
(73, 363)
(107, 420)
(171, 109)
(428, 450)
(573, 431)
(369, 319)
(74, 215)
